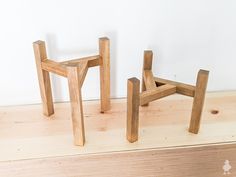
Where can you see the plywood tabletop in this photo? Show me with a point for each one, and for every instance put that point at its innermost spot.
(26, 134)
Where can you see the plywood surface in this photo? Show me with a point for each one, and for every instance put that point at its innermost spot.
(206, 161)
(26, 134)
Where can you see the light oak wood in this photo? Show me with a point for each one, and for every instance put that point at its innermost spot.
(181, 88)
(185, 161)
(32, 145)
(149, 80)
(24, 130)
(75, 70)
(133, 87)
(157, 93)
(92, 61)
(75, 77)
(147, 65)
(54, 67)
(154, 88)
(43, 77)
(104, 51)
(82, 70)
(147, 61)
(198, 101)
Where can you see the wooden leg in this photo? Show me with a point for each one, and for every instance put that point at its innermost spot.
(147, 65)
(198, 101)
(149, 81)
(74, 80)
(104, 50)
(43, 77)
(133, 86)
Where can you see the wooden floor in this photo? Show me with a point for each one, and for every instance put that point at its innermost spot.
(29, 140)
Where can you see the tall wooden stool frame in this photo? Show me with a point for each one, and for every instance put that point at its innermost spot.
(154, 88)
(75, 70)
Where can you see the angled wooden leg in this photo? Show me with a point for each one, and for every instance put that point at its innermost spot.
(133, 86)
(43, 77)
(198, 101)
(147, 65)
(75, 76)
(104, 51)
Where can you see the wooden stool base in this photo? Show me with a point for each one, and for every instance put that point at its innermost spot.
(154, 88)
(75, 70)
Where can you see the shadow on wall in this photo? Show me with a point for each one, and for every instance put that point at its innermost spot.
(54, 51)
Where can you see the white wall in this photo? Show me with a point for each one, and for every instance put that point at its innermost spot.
(185, 35)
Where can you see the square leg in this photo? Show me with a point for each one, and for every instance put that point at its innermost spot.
(44, 78)
(104, 51)
(74, 80)
(133, 86)
(147, 65)
(198, 101)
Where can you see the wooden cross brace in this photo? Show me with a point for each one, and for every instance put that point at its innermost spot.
(154, 88)
(75, 71)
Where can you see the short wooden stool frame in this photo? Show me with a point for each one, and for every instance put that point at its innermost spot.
(154, 88)
(75, 70)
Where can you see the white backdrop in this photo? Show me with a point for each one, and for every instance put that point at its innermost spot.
(185, 35)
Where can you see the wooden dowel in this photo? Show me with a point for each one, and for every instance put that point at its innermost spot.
(74, 80)
(181, 88)
(54, 67)
(147, 65)
(198, 101)
(133, 86)
(92, 61)
(157, 93)
(104, 52)
(43, 77)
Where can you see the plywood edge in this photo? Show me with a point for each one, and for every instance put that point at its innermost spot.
(185, 161)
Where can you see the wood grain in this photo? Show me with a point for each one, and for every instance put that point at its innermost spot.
(26, 134)
(92, 61)
(54, 67)
(75, 77)
(149, 80)
(181, 88)
(147, 65)
(43, 77)
(104, 52)
(202, 161)
(133, 87)
(147, 60)
(198, 101)
(157, 93)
